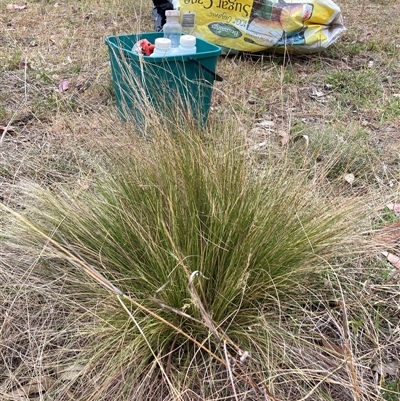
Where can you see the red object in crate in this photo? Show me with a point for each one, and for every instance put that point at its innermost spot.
(147, 47)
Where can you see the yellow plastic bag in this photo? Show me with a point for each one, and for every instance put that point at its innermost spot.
(256, 25)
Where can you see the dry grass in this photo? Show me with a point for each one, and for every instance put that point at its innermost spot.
(340, 340)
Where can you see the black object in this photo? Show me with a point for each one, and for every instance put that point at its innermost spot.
(214, 74)
(160, 7)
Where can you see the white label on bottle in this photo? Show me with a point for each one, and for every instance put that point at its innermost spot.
(188, 19)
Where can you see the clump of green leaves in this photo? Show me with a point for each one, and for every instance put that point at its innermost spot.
(391, 390)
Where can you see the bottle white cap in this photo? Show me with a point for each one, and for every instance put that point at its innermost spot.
(188, 40)
(172, 13)
(163, 43)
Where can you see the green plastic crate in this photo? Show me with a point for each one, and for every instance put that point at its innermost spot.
(175, 86)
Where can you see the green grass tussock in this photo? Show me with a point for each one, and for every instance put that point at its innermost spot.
(199, 247)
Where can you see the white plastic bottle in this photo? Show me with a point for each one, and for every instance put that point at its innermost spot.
(172, 28)
(162, 47)
(187, 44)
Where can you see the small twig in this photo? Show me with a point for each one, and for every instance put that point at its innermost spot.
(170, 308)
(349, 353)
(168, 368)
(228, 365)
(25, 80)
(175, 310)
(7, 128)
(197, 301)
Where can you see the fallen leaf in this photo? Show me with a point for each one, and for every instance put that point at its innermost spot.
(16, 7)
(70, 372)
(305, 137)
(392, 259)
(395, 207)
(318, 94)
(390, 368)
(284, 137)
(349, 178)
(63, 86)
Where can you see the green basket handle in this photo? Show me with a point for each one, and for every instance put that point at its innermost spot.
(213, 73)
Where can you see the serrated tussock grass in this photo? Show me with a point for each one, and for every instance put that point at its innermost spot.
(197, 255)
